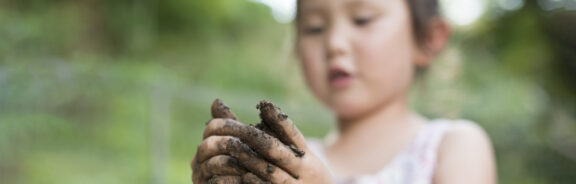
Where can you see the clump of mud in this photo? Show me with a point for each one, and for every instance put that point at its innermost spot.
(274, 122)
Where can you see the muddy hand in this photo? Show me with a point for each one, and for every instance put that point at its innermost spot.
(221, 110)
(284, 159)
(310, 168)
(276, 123)
(259, 153)
(222, 168)
(247, 178)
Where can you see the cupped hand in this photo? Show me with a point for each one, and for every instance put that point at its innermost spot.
(272, 152)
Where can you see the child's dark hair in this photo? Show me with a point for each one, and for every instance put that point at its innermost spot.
(422, 12)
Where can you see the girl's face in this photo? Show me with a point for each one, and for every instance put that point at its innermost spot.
(357, 55)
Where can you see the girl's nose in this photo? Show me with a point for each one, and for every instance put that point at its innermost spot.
(337, 44)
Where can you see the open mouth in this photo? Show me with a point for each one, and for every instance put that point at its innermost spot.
(340, 78)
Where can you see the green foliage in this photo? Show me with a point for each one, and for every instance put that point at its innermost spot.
(119, 91)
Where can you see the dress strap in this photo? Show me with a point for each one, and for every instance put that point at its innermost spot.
(425, 148)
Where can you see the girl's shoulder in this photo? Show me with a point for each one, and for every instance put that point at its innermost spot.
(453, 133)
(461, 134)
(465, 154)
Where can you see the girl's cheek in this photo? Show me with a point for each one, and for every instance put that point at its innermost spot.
(314, 67)
(385, 54)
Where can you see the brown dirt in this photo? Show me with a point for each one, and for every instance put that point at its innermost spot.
(250, 178)
(221, 110)
(262, 136)
(225, 180)
(272, 120)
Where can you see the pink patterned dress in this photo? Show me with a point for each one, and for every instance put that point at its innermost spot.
(414, 165)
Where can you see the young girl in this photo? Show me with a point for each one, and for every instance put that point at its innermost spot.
(360, 58)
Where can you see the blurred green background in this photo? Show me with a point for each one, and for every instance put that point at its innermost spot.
(109, 91)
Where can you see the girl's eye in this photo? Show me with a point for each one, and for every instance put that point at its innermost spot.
(312, 30)
(362, 21)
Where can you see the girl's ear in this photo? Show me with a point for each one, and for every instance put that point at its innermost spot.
(434, 42)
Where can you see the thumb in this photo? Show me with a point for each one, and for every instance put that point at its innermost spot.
(221, 110)
(276, 123)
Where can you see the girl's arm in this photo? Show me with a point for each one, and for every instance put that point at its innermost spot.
(466, 156)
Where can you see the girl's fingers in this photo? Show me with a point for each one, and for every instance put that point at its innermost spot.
(247, 178)
(196, 174)
(277, 123)
(274, 122)
(225, 180)
(264, 144)
(223, 126)
(221, 165)
(250, 178)
(246, 157)
(221, 110)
